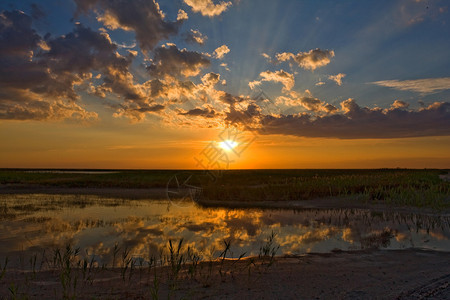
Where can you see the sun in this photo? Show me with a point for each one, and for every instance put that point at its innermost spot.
(228, 145)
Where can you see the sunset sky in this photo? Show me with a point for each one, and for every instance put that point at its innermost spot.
(171, 84)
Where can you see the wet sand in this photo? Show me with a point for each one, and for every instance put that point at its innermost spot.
(376, 274)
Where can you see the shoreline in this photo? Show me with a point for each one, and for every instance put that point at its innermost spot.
(380, 274)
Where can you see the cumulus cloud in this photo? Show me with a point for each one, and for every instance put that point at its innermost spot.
(308, 101)
(310, 60)
(281, 76)
(182, 15)
(207, 7)
(195, 36)
(32, 86)
(170, 89)
(211, 79)
(38, 74)
(18, 104)
(143, 17)
(424, 86)
(169, 60)
(399, 104)
(357, 122)
(337, 78)
(199, 112)
(229, 98)
(311, 103)
(221, 51)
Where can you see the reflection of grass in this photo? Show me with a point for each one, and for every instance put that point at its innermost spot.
(399, 187)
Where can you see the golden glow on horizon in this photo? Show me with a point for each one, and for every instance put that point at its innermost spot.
(45, 145)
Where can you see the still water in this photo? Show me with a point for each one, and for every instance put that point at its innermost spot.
(30, 224)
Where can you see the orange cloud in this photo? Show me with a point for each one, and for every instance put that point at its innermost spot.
(207, 7)
(221, 51)
(285, 78)
(310, 60)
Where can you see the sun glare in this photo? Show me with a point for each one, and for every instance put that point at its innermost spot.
(228, 145)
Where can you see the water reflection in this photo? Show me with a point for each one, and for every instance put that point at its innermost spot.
(32, 223)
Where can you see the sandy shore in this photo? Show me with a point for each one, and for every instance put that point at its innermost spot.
(377, 274)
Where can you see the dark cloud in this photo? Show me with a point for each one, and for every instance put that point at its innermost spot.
(169, 60)
(17, 38)
(43, 110)
(244, 116)
(27, 82)
(38, 74)
(230, 99)
(143, 17)
(364, 123)
(199, 112)
(151, 108)
(311, 103)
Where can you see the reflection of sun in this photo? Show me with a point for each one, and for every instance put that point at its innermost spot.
(228, 145)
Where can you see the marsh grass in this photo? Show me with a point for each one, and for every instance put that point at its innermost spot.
(77, 179)
(159, 277)
(420, 188)
(413, 187)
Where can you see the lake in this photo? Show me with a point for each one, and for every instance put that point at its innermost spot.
(32, 224)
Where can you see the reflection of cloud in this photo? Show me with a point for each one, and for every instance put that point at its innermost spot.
(146, 228)
(350, 235)
(439, 235)
(425, 86)
(401, 237)
(317, 235)
(207, 7)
